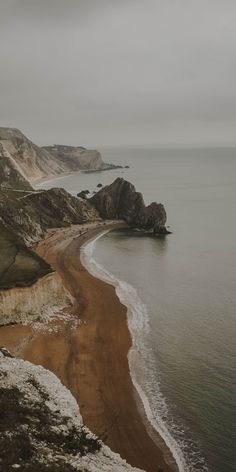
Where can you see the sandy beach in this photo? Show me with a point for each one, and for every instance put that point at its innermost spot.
(91, 358)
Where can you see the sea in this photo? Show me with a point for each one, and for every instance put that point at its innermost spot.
(180, 291)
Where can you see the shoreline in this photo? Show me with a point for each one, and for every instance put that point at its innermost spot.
(104, 404)
(155, 426)
(50, 178)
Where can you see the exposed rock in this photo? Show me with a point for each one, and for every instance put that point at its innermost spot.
(40, 301)
(31, 161)
(34, 163)
(76, 158)
(121, 201)
(10, 177)
(83, 194)
(99, 185)
(19, 266)
(30, 215)
(41, 428)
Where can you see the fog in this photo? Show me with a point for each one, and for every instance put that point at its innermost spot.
(116, 72)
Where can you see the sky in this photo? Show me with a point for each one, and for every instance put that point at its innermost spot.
(119, 72)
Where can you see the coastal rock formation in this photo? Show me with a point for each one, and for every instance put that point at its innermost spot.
(39, 301)
(10, 177)
(76, 158)
(41, 426)
(19, 266)
(121, 201)
(34, 163)
(31, 214)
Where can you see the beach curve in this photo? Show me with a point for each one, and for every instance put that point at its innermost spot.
(103, 388)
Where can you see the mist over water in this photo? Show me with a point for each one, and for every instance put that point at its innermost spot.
(187, 283)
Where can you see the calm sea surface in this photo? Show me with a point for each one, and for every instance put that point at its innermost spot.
(184, 288)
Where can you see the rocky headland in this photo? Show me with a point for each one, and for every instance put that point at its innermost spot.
(35, 430)
(120, 200)
(76, 158)
(35, 163)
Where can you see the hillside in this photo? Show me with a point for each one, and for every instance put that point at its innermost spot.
(19, 266)
(31, 214)
(35, 163)
(10, 176)
(76, 158)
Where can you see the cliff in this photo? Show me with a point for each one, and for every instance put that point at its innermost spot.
(34, 163)
(41, 300)
(121, 201)
(41, 426)
(31, 214)
(19, 266)
(76, 158)
(10, 177)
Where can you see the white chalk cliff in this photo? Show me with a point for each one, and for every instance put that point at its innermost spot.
(42, 429)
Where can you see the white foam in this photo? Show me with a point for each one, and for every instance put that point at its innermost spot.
(138, 325)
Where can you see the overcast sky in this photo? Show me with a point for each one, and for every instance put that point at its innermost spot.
(118, 72)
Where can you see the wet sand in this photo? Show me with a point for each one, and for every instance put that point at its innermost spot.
(91, 359)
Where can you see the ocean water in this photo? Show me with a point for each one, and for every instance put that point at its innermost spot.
(181, 296)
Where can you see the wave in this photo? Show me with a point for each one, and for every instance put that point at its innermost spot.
(138, 323)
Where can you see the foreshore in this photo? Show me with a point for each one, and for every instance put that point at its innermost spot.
(91, 358)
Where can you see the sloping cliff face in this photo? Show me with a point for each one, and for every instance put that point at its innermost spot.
(35, 163)
(121, 201)
(30, 215)
(76, 158)
(32, 162)
(42, 429)
(39, 301)
(10, 177)
(19, 266)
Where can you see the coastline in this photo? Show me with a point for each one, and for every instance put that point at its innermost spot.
(51, 178)
(105, 392)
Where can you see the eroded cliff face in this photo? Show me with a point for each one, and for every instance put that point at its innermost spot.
(76, 158)
(30, 215)
(10, 176)
(32, 162)
(39, 301)
(42, 429)
(121, 201)
(35, 163)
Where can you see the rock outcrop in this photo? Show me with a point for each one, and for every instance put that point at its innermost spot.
(31, 214)
(121, 201)
(74, 158)
(41, 426)
(34, 163)
(31, 161)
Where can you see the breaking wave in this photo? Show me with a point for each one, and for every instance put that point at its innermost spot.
(143, 378)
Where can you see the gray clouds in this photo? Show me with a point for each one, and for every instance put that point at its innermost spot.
(99, 72)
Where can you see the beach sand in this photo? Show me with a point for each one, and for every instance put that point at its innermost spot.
(91, 359)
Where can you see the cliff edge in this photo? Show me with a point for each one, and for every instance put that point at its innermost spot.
(41, 426)
(35, 163)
